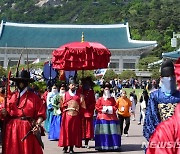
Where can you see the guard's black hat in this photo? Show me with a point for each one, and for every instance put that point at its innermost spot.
(63, 84)
(167, 68)
(24, 75)
(107, 84)
(72, 80)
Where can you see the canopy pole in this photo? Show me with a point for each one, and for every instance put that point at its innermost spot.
(82, 37)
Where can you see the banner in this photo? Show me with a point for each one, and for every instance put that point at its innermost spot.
(36, 61)
(100, 72)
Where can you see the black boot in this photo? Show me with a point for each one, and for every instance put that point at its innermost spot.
(65, 149)
(86, 143)
(71, 149)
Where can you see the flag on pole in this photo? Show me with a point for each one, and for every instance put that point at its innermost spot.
(100, 72)
(36, 61)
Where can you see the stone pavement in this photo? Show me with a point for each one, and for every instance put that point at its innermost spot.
(130, 145)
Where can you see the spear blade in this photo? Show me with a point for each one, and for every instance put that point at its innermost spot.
(17, 68)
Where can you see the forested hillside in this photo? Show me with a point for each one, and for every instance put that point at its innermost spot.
(148, 19)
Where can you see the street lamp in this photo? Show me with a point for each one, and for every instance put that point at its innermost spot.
(174, 40)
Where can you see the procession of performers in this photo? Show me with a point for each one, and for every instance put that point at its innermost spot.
(67, 112)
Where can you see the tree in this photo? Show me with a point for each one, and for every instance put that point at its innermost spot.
(127, 74)
(2, 71)
(143, 63)
(110, 74)
(83, 74)
(24, 66)
(40, 84)
(155, 74)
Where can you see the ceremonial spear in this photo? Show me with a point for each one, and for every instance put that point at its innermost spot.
(7, 92)
(38, 134)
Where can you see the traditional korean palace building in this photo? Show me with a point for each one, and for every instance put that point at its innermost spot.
(39, 40)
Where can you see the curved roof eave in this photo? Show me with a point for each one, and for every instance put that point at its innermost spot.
(63, 25)
(28, 48)
(1, 28)
(127, 44)
(139, 48)
(172, 55)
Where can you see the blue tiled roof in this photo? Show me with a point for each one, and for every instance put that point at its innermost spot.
(52, 36)
(172, 55)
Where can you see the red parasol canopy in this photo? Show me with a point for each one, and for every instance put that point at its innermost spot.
(81, 56)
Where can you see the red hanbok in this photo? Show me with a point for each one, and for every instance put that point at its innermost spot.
(166, 137)
(71, 131)
(87, 120)
(30, 106)
(44, 96)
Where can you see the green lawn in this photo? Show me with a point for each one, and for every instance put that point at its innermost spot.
(137, 91)
(128, 90)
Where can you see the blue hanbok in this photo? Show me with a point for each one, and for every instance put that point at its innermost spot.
(54, 130)
(107, 135)
(159, 108)
(49, 111)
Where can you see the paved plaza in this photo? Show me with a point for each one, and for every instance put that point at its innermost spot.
(130, 145)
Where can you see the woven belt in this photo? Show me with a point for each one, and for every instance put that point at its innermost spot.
(72, 109)
(23, 118)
